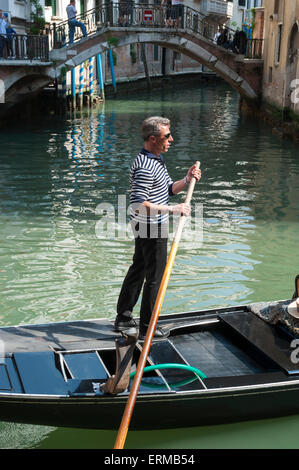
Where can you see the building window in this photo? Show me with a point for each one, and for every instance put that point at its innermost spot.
(276, 7)
(82, 7)
(270, 74)
(156, 53)
(294, 44)
(278, 43)
(51, 3)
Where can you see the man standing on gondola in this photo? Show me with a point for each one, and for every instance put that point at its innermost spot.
(151, 187)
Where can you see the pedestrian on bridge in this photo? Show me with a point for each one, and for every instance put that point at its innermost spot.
(2, 33)
(125, 12)
(177, 13)
(73, 22)
(10, 38)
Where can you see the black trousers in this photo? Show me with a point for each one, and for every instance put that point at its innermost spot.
(148, 265)
(2, 44)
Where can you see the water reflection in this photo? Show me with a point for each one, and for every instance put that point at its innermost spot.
(19, 436)
(278, 433)
(52, 187)
(54, 174)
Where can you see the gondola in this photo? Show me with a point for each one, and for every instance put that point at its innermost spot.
(216, 366)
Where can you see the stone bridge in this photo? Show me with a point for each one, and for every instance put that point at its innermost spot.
(21, 79)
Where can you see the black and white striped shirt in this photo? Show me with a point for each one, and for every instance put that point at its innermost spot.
(149, 181)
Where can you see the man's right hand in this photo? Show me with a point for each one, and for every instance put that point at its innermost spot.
(182, 209)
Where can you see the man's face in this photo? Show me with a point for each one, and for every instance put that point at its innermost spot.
(163, 141)
(1, 15)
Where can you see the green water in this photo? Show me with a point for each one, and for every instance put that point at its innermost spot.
(56, 173)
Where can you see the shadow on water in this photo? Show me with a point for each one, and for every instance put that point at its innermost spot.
(279, 433)
(267, 434)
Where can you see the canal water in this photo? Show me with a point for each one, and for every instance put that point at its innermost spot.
(65, 247)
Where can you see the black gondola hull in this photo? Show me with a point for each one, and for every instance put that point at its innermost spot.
(154, 413)
(248, 367)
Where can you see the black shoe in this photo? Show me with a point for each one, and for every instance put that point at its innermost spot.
(158, 335)
(124, 323)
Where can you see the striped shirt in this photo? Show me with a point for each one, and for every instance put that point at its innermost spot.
(149, 181)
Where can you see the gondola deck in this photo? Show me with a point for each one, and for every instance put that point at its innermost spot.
(52, 374)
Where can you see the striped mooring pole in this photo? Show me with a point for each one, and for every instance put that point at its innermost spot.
(100, 75)
(63, 90)
(73, 88)
(63, 85)
(81, 81)
(90, 68)
(112, 69)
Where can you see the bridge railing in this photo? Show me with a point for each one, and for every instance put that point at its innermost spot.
(254, 49)
(58, 33)
(151, 16)
(26, 47)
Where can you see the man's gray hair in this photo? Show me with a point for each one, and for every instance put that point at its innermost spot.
(152, 126)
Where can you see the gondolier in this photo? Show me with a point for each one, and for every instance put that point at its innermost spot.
(151, 187)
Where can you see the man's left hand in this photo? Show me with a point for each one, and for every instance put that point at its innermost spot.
(193, 171)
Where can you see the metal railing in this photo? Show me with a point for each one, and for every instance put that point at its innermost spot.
(26, 47)
(254, 49)
(149, 16)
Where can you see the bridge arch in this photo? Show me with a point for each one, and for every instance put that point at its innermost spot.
(26, 79)
(224, 63)
(21, 83)
(25, 86)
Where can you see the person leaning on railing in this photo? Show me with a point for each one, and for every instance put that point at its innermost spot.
(10, 38)
(2, 33)
(73, 22)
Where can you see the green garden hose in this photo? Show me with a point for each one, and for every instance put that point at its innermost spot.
(173, 366)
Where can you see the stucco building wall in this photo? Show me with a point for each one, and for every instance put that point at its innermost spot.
(281, 47)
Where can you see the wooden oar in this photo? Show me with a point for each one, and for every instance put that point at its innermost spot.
(124, 426)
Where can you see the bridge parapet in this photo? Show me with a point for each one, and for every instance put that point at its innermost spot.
(153, 16)
(244, 75)
(26, 48)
